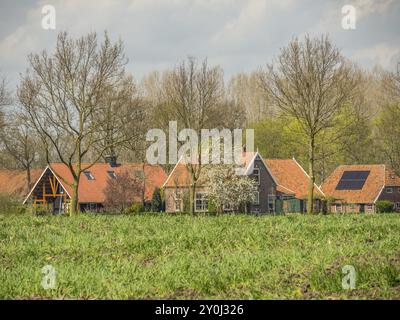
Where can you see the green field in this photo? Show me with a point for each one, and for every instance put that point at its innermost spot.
(184, 257)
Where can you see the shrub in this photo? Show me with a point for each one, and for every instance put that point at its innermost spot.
(156, 201)
(10, 205)
(135, 209)
(212, 208)
(384, 206)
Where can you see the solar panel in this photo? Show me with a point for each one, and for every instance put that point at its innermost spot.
(352, 180)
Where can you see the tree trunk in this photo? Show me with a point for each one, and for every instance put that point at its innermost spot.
(74, 208)
(310, 199)
(192, 197)
(28, 177)
(144, 186)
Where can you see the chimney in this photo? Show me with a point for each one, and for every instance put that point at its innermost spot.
(111, 160)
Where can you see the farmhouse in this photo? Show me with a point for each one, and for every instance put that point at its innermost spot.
(356, 188)
(281, 186)
(53, 188)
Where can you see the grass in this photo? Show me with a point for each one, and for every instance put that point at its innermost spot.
(184, 257)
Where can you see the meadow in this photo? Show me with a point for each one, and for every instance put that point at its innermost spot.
(160, 256)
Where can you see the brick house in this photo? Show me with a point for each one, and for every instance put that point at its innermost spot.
(279, 183)
(51, 187)
(356, 188)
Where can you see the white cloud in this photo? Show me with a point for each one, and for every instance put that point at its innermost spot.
(238, 34)
(366, 8)
(382, 54)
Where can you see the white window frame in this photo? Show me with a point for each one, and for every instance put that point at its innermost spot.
(227, 207)
(397, 205)
(203, 200)
(370, 207)
(339, 205)
(389, 188)
(112, 174)
(177, 201)
(257, 175)
(257, 198)
(88, 172)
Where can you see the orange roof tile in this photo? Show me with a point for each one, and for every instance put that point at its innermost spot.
(290, 175)
(14, 182)
(379, 176)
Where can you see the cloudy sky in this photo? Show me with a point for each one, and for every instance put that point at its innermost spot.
(239, 35)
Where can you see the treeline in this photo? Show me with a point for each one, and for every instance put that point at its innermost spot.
(77, 104)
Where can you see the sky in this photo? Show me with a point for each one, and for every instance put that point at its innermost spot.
(238, 35)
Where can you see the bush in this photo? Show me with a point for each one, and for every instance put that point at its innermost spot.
(384, 206)
(156, 201)
(212, 208)
(135, 209)
(10, 205)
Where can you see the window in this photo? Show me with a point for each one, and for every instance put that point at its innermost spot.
(112, 174)
(90, 206)
(201, 202)
(389, 190)
(228, 207)
(338, 208)
(370, 207)
(177, 200)
(256, 198)
(271, 203)
(256, 174)
(397, 205)
(88, 175)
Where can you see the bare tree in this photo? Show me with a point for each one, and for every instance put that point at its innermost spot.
(19, 141)
(122, 103)
(193, 96)
(5, 99)
(122, 190)
(66, 96)
(310, 81)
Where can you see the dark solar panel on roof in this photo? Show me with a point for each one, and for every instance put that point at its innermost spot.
(352, 180)
(355, 175)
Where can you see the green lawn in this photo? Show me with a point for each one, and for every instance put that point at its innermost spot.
(184, 257)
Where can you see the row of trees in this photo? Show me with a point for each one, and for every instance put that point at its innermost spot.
(78, 104)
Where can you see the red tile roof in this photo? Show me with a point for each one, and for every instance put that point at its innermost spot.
(291, 177)
(379, 176)
(93, 190)
(14, 182)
